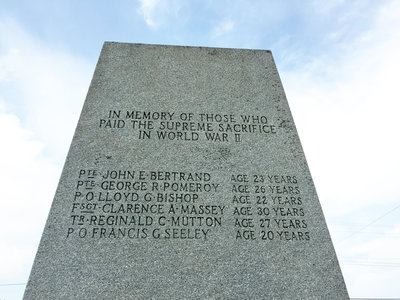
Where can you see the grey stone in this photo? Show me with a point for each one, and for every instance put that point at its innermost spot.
(185, 180)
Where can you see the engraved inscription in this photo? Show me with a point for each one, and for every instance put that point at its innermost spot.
(188, 126)
(268, 207)
(143, 204)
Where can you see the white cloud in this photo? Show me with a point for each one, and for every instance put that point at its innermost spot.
(345, 103)
(42, 92)
(348, 102)
(224, 27)
(157, 12)
(45, 86)
(369, 262)
(147, 9)
(326, 7)
(28, 181)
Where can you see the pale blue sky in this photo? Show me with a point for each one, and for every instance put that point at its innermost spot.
(338, 61)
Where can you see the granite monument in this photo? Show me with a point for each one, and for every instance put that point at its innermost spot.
(185, 179)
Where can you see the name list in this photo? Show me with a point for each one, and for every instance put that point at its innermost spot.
(161, 205)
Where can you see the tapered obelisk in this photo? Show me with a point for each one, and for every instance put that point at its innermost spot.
(185, 180)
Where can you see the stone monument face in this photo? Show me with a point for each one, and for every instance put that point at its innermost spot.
(185, 180)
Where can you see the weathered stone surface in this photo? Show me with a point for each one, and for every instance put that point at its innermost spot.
(185, 180)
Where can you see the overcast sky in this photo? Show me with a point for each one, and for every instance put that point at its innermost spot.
(339, 63)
